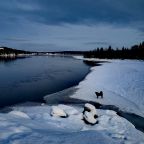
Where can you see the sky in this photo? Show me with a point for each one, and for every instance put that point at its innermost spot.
(57, 25)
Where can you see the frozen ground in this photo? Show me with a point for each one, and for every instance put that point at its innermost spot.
(27, 125)
(122, 82)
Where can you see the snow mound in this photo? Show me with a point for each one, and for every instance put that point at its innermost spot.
(68, 109)
(90, 108)
(43, 128)
(57, 111)
(89, 118)
(19, 114)
(89, 114)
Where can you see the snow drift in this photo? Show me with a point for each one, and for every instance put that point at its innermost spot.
(122, 82)
(42, 128)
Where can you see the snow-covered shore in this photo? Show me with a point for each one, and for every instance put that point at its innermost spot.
(34, 124)
(119, 81)
(122, 82)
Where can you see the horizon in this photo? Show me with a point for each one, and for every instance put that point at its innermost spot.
(55, 51)
(71, 25)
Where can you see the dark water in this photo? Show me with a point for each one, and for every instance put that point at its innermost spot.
(30, 79)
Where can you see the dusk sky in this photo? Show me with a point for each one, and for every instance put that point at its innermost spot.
(53, 25)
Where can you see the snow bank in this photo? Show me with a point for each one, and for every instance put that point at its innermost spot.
(89, 114)
(42, 128)
(122, 82)
(57, 111)
(19, 114)
(89, 118)
(68, 109)
(90, 108)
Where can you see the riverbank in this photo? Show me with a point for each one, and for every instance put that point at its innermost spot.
(72, 96)
(34, 124)
(121, 81)
(121, 103)
(63, 97)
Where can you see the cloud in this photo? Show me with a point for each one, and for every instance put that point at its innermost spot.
(77, 11)
(72, 37)
(16, 39)
(97, 43)
(27, 7)
(71, 24)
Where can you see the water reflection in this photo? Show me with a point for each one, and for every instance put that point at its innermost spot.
(29, 79)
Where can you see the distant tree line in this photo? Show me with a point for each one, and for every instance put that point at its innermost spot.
(6, 50)
(135, 52)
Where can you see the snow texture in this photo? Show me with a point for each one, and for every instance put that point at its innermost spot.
(57, 111)
(122, 83)
(41, 127)
(91, 108)
(89, 118)
(19, 114)
(89, 113)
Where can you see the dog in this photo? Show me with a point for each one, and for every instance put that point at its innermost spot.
(99, 94)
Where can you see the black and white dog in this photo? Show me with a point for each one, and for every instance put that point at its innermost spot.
(99, 94)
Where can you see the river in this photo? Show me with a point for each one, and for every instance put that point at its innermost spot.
(30, 79)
